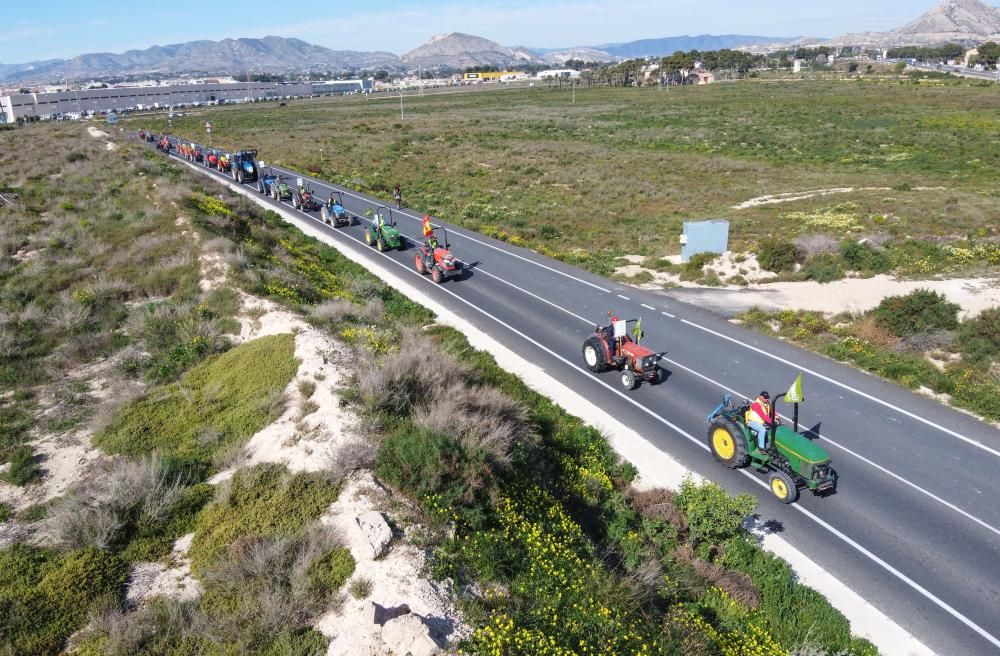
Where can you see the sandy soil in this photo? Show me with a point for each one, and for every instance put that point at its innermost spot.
(791, 196)
(397, 578)
(973, 295)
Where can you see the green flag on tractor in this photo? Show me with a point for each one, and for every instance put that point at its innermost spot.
(637, 331)
(794, 393)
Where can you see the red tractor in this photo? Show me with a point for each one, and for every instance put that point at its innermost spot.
(616, 346)
(436, 260)
(164, 144)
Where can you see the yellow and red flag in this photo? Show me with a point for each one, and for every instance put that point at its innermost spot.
(428, 230)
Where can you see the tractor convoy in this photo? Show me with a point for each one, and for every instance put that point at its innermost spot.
(791, 460)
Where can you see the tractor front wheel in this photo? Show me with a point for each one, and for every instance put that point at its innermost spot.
(380, 245)
(419, 264)
(593, 354)
(628, 379)
(783, 487)
(437, 276)
(727, 443)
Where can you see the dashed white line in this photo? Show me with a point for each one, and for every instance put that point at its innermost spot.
(870, 397)
(667, 314)
(857, 455)
(642, 408)
(454, 231)
(624, 297)
(648, 307)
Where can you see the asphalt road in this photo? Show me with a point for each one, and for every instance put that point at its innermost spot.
(915, 524)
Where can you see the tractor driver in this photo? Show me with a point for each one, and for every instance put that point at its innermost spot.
(432, 243)
(759, 419)
(332, 201)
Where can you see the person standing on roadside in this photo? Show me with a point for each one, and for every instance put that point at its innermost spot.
(398, 196)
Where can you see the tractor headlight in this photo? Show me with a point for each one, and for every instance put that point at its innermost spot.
(649, 362)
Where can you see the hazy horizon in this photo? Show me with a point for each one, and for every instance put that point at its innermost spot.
(31, 33)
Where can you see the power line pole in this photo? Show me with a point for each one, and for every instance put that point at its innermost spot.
(401, 102)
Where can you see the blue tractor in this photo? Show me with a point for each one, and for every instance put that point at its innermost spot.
(333, 211)
(244, 166)
(266, 178)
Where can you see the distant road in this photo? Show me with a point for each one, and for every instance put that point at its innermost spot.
(961, 71)
(915, 524)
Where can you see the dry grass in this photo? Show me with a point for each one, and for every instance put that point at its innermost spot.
(867, 329)
(612, 173)
(479, 417)
(658, 504)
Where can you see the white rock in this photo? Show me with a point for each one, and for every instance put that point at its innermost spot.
(409, 636)
(376, 531)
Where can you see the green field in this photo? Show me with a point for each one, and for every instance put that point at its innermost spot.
(617, 171)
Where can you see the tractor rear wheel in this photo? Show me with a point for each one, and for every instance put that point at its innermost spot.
(727, 443)
(783, 487)
(325, 213)
(437, 276)
(593, 354)
(419, 264)
(239, 177)
(628, 379)
(368, 237)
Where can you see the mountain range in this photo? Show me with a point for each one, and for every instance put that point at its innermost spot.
(953, 20)
(963, 21)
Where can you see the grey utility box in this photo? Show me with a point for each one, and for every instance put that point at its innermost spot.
(704, 237)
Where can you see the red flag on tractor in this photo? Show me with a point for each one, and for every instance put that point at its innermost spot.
(428, 230)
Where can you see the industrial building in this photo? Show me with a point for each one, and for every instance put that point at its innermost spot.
(47, 105)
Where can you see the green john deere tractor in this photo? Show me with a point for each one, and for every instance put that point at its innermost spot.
(382, 232)
(795, 460)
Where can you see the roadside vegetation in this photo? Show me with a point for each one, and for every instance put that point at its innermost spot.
(915, 340)
(619, 170)
(532, 516)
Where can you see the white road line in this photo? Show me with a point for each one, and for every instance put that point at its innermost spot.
(454, 231)
(648, 307)
(860, 457)
(820, 522)
(625, 297)
(491, 275)
(907, 413)
(668, 315)
(857, 455)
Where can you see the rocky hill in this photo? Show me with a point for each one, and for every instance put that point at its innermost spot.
(271, 54)
(964, 21)
(457, 50)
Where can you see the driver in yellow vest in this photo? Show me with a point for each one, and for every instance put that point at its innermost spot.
(758, 418)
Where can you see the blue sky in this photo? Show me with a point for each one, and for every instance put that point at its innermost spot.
(45, 29)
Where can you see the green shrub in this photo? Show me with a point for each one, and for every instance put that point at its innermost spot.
(423, 463)
(863, 257)
(824, 267)
(23, 468)
(919, 311)
(712, 515)
(791, 612)
(46, 595)
(692, 269)
(332, 570)
(777, 256)
(979, 338)
(6, 512)
(264, 501)
(216, 405)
